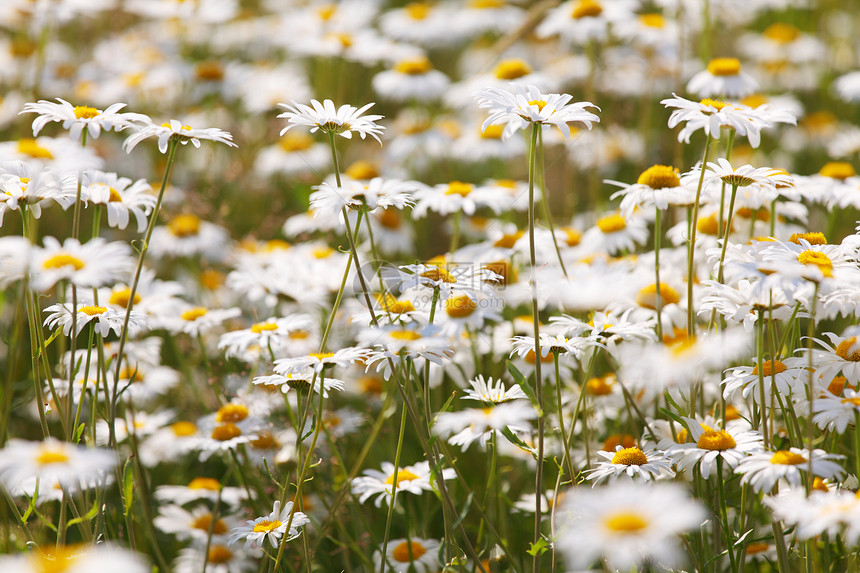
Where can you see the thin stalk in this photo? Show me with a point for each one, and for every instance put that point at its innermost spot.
(394, 482)
(724, 515)
(536, 323)
(171, 157)
(569, 463)
(658, 237)
(544, 199)
(691, 327)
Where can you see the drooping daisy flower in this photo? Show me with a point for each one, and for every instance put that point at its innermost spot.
(834, 413)
(491, 392)
(176, 130)
(631, 462)
(722, 78)
(520, 105)
(763, 470)
(270, 527)
(709, 444)
(24, 184)
(407, 555)
(412, 479)
(78, 118)
(324, 117)
(625, 524)
(300, 380)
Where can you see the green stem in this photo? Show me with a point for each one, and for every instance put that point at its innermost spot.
(691, 327)
(658, 237)
(393, 487)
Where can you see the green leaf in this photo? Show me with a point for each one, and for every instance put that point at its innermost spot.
(538, 548)
(78, 432)
(48, 342)
(512, 438)
(523, 382)
(127, 486)
(89, 515)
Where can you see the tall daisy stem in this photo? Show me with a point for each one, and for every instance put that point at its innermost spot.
(691, 255)
(658, 237)
(536, 323)
(144, 247)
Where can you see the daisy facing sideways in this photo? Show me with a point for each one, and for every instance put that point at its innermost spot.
(342, 121)
(413, 479)
(270, 527)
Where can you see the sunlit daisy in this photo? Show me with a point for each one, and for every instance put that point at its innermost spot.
(78, 118)
(709, 444)
(103, 319)
(272, 527)
(324, 117)
(481, 424)
(194, 524)
(631, 462)
(777, 376)
(92, 264)
(414, 554)
(835, 413)
(75, 559)
(52, 460)
(491, 392)
(763, 470)
(412, 479)
(723, 77)
(119, 195)
(177, 131)
(517, 106)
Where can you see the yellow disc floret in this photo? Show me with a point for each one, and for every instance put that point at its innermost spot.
(586, 9)
(402, 476)
(460, 306)
(647, 296)
(660, 177)
(840, 170)
(611, 223)
(845, 352)
(811, 238)
(512, 69)
(630, 457)
(408, 551)
(625, 522)
(85, 112)
(724, 66)
(716, 440)
(186, 225)
(414, 66)
(818, 259)
(787, 458)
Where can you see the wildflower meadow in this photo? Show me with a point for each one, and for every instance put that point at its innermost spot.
(454, 286)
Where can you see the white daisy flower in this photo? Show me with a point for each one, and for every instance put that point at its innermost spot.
(613, 233)
(301, 381)
(175, 129)
(378, 193)
(75, 559)
(200, 488)
(272, 527)
(631, 462)
(764, 469)
(520, 105)
(78, 118)
(411, 479)
(92, 264)
(709, 444)
(119, 195)
(834, 413)
(411, 79)
(324, 117)
(103, 319)
(658, 186)
(191, 525)
(416, 555)
(723, 77)
(272, 335)
(23, 184)
(491, 392)
(842, 355)
(220, 558)
(52, 460)
(317, 361)
(196, 320)
(625, 524)
(481, 424)
(470, 279)
(786, 379)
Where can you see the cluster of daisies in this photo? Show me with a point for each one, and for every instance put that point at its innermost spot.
(477, 325)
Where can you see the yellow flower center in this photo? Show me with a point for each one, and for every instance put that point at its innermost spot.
(56, 559)
(414, 66)
(787, 458)
(820, 485)
(769, 368)
(512, 69)
(647, 296)
(759, 214)
(209, 71)
(402, 552)
(586, 9)
(625, 441)
(709, 225)
(756, 548)
(508, 241)
(811, 238)
(61, 260)
(184, 428)
(611, 223)
(572, 236)
(818, 259)
(781, 33)
(844, 352)
(210, 279)
(265, 441)
(460, 306)
(389, 218)
(210, 484)
(439, 275)
(732, 412)
(539, 103)
(85, 112)
(837, 385)
(92, 310)
(625, 522)
(724, 66)
(51, 456)
(418, 10)
(485, 4)
(840, 170)
(601, 385)
(259, 327)
(30, 147)
(267, 526)
(322, 252)
(296, 141)
(371, 385)
(321, 355)
(362, 170)
(531, 357)
(219, 554)
(299, 335)
(652, 20)
(194, 313)
(231, 413)
(459, 188)
(754, 100)
(226, 432)
(184, 225)
(630, 457)
(404, 335)
(391, 304)
(402, 476)
(660, 177)
(855, 401)
(719, 440)
(204, 521)
(326, 11)
(493, 132)
(716, 104)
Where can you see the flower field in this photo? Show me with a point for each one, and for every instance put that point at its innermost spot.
(456, 286)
